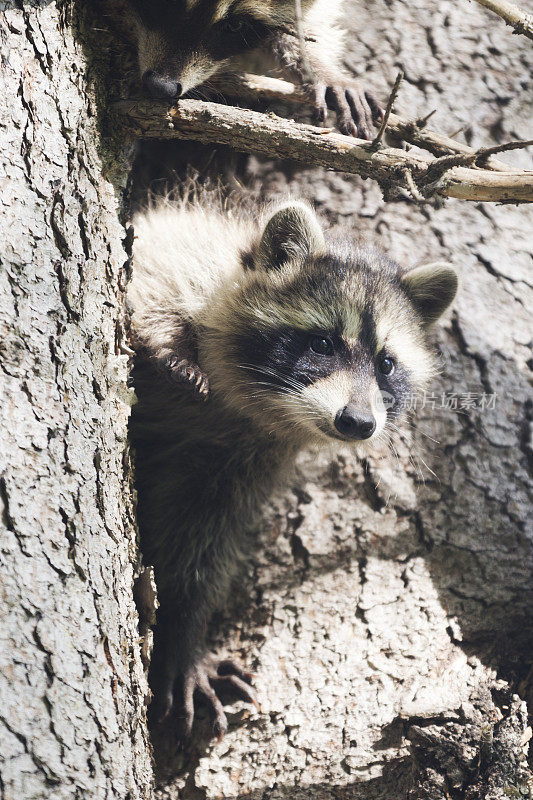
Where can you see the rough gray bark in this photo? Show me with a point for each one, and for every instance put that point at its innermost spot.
(72, 686)
(390, 627)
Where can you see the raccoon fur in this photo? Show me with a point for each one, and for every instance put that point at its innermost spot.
(294, 338)
(181, 44)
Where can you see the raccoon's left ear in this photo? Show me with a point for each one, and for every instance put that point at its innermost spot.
(291, 233)
(431, 288)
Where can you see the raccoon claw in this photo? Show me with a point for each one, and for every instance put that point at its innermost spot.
(320, 105)
(210, 680)
(357, 110)
(230, 679)
(182, 371)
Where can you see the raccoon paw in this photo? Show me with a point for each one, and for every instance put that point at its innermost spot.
(211, 680)
(357, 110)
(182, 371)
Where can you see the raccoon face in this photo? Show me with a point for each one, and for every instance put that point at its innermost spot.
(181, 43)
(327, 340)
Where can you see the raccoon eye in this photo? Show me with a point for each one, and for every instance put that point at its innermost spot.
(321, 345)
(386, 365)
(235, 25)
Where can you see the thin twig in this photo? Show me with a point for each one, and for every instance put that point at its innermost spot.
(457, 132)
(412, 187)
(513, 15)
(421, 122)
(485, 152)
(441, 165)
(392, 98)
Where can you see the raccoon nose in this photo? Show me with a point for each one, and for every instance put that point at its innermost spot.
(161, 88)
(354, 423)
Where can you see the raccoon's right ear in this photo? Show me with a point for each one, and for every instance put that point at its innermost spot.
(431, 288)
(291, 233)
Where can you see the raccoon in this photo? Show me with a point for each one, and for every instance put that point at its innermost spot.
(294, 338)
(182, 43)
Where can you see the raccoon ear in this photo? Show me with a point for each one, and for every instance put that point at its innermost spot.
(292, 232)
(431, 288)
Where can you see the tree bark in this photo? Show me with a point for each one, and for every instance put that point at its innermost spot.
(72, 685)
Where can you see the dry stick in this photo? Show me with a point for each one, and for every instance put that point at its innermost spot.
(392, 99)
(253, 132)
(514, 16)
(412, 187)
(485, 152)
(440, 165)
(259, 88)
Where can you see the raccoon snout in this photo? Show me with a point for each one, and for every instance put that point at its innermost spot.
(354, 423)
(161, 88)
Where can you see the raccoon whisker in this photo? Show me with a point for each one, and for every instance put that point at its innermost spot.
(287, 389)
(274, 373)
(268, 372)
(212, 94)
(414, 454)
(419, 427)
(429, 469)
(300, 416)
(303, 410)
(390, 443)
(395, 452)
(303, 406)
(415, 466)
(386, 436)
(270, 388)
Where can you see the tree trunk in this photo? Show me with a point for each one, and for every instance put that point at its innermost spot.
(72, 686)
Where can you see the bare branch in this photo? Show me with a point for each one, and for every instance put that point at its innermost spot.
(513, 15)
(412, 187)
(484, 152)
(392, 99)
(253, 132)
(261, 89)
(480, 156)
(421, 122)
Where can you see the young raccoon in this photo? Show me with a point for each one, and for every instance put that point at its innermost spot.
(300, 337)
(183, 43)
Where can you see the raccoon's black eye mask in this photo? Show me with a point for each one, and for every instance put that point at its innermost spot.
(290, 355)
(298, 355)
(235, 34)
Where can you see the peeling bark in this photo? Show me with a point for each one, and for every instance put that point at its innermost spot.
(72, 685)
